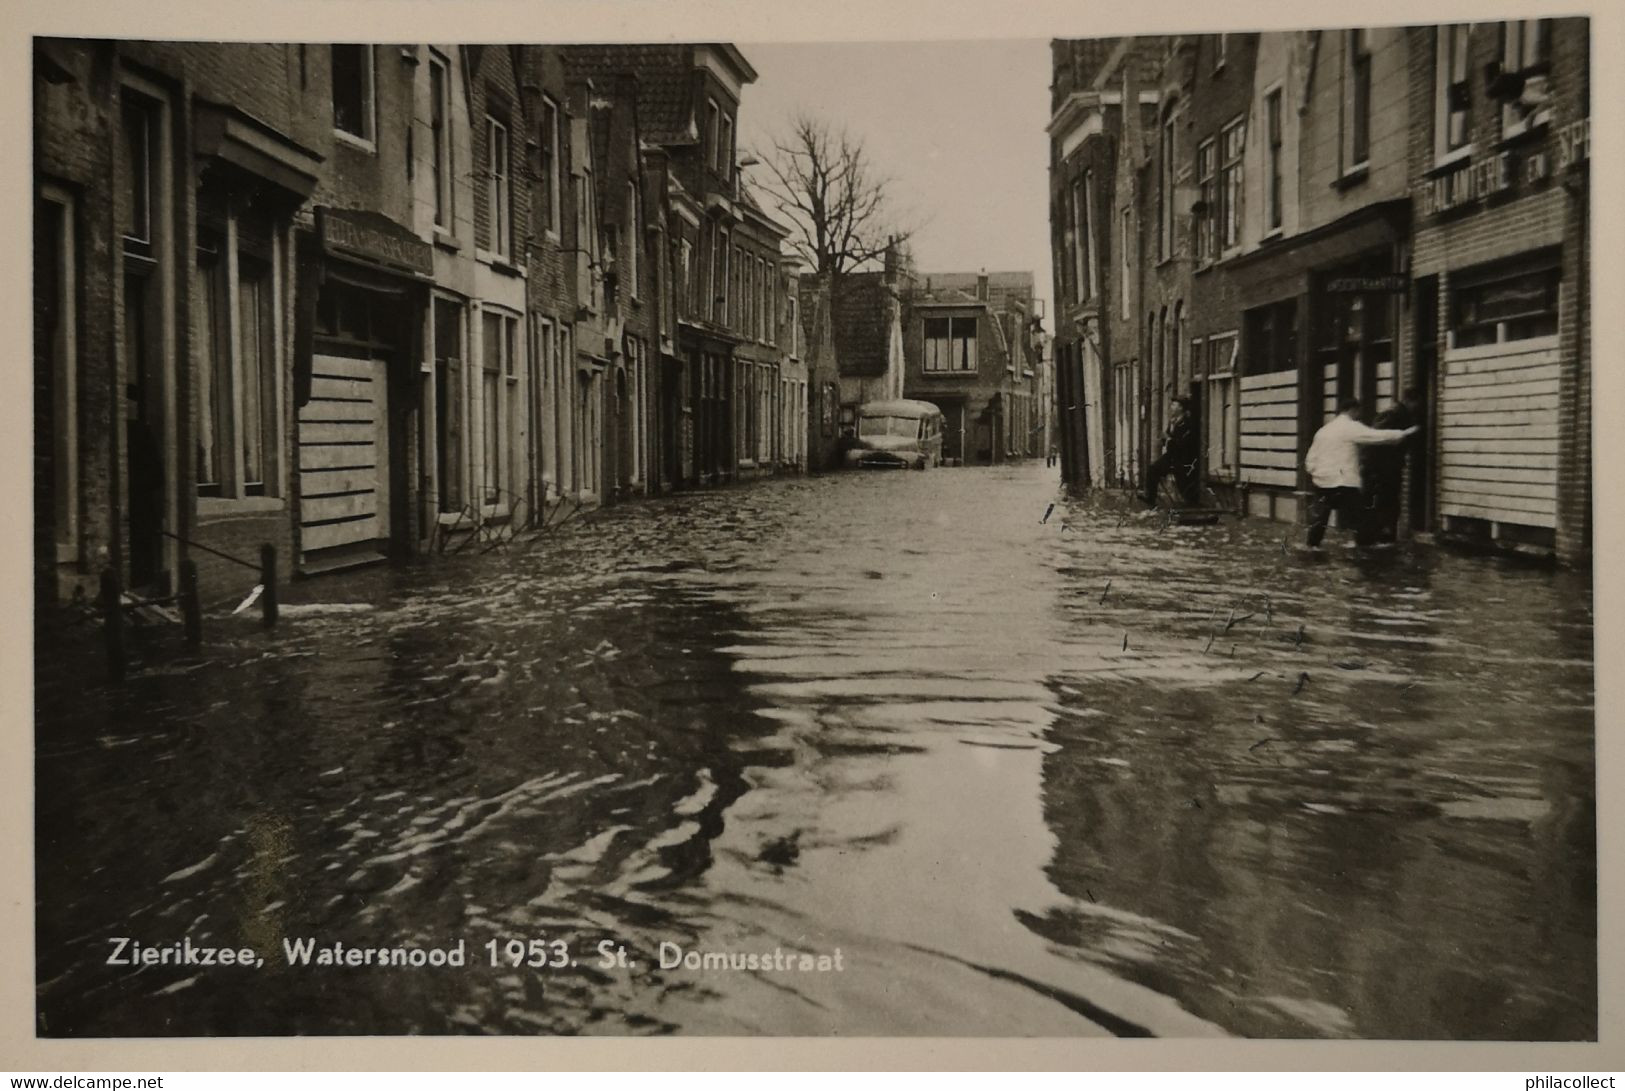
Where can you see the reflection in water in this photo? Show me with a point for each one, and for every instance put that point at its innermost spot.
(897, 715)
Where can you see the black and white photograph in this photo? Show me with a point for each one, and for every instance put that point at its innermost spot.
(1060, 536)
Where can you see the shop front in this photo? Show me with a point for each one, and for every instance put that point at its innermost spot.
(1319, 324)
(359, 389)
(1502, 269)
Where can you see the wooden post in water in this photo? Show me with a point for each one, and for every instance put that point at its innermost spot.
(112, 601)
(191, 604)
(268, 581)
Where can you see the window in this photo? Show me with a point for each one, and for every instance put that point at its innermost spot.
(713, 142)
(1508, 308)
(634, 240)
(213, 374)
(720, 284)
(1273, 197)
(352, 91)
(1165, 192)
(725, 148)
(450, 409)
(1207, 189)
(1525, 55)
(551, 169)
(137, 130)
(1076, 247)
(238, 432)
(950, 344)
(498, 194)
(1272, 339)
(1091, 251)
(1452, 93)
(1125, 269)
(1356, 99)
(255, 373)
(1526, 45)
(498, 376)
(1223, 441)
(589, 268)
(440, 137)
(1066, 246)
(685, 275)
(1232, 143)
(772, 303)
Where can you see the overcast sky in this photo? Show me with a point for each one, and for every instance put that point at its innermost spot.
(958, 125)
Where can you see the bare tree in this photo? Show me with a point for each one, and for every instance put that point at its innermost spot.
(822, 181)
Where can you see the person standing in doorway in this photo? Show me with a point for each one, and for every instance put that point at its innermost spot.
(1333, 463)
(1181, 453)
(1383, 466)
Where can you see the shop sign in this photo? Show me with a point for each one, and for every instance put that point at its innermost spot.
(1388, 282)
(375, 239)
(1467, 186)
(1568, 146)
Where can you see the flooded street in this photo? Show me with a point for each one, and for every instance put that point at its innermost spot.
(1074, 775)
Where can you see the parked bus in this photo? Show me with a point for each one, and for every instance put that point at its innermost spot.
(897, 434)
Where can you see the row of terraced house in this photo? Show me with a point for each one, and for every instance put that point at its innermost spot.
(1270, 223)
(356, 301)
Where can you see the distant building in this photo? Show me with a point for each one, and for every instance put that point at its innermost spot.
(968, 343)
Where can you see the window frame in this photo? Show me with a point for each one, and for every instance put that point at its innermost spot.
(1354, 120)
(951, 358)
(552, 168)
(496, 413)
(1227, 442)
(1231, 183)
(713, 132)
(442, 160)
(1472, 281)
(1516, 37)
(1125, 302)
(1088, 248)
(1274, 162)
(1207, 183)
(1165, 188)
(499, 185)
(634, 239)
(368, 138)
(221, 279)
(1447, 60)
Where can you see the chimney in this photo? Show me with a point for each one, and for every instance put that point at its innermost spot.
(891, 259)
(981, 286)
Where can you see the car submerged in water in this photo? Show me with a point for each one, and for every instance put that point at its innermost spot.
(897, 434)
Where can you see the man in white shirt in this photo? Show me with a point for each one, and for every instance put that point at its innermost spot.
(1333, 463)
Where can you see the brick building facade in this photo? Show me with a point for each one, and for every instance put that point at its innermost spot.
(351, 301)
(1331, 214)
